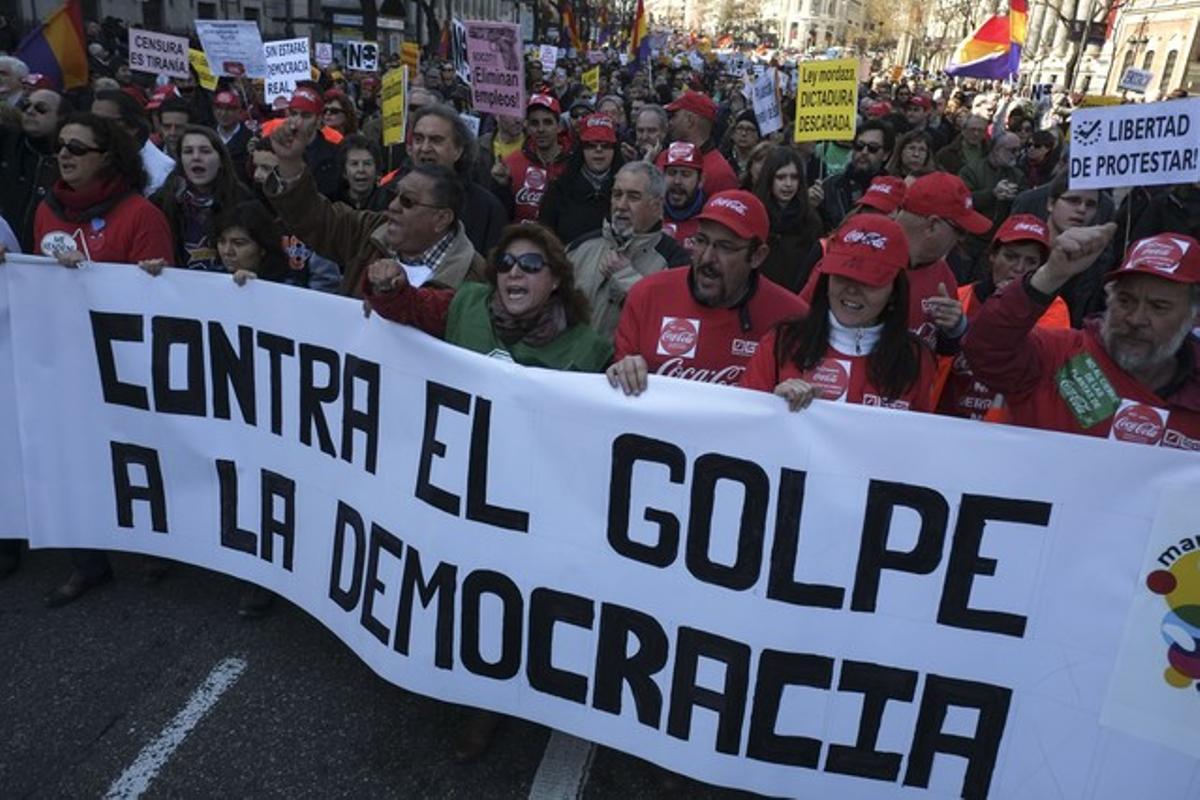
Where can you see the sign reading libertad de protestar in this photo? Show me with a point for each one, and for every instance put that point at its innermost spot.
(1139, 144)
(826, 100)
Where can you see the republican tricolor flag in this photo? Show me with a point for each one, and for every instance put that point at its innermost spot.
(58, 49)
(994, 50)
(639, 42)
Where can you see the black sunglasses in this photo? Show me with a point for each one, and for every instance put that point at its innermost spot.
(77, 149)
(407, 203)
(530, 263)
(868, 146)
(37, 108)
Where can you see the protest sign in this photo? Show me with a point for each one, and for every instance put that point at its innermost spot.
(1138, 144)
(548, 55)
(827, 100)
(1099, 101)
(203, 73)
(362, 56)
(287, 62)
(792, 604)
(497, 68)
(158, 53)
(1041, 91)
(1135, 80)
(766, 105)
(233, 48)
(410, 56)
(458, 42)
(394, 96)
(472, 122)
(324, 54)
(591, 79)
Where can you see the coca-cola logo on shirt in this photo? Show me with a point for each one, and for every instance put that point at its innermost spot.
(830, 379)
(535, 179)
(678, 337)
(1138, 423)
(727, 375)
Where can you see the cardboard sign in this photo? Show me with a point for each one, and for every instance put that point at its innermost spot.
(766, 105)
(458, 45)
(591, 79)
(827, 100)
(233, 48)
(1041, 91)
(410, 56)
(497, 68)
(362, 56)
(158, 53)
(203, 74)
(287, 62)
(394, 98)
(324, 53)
(1136, 80)
(1137, 144)
(548, 55)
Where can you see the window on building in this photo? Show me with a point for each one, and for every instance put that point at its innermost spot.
(1148, 60)
(206, 10)
(1129, 54)
(152, 18)
(1164, 83)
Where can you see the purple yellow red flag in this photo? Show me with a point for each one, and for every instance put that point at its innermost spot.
(58, 48)
(994, 50)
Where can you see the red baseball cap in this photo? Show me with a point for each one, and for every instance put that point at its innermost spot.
(597, 128)
(37, 80)
(695, 102)
(884, 194)
(868, 248)
(1171, 256)
(880, 108)
(740, 211)
(940, 194)
(227, 99)
(1023, 228)
(920, 101)
(543, 100)
(161, 94)
(306, 100)
(684, 154)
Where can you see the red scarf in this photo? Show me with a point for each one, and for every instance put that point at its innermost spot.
(93, 200)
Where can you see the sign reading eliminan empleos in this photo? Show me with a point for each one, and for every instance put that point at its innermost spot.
(1150, 144)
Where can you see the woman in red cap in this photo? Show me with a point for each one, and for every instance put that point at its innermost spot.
(339, 113)
(578, 201)
(854, 345)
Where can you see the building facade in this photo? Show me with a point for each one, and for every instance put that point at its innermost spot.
(1161, 37)
(819, 24)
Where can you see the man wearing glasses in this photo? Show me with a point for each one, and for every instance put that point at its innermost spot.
(27, 162)
(838, 193)
(704, 323)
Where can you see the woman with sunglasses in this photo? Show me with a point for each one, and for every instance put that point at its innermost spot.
(913, 156)
(854, 345)
(578, 201)
(95, 210)
(340, 113)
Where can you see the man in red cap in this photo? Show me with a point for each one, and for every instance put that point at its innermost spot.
(525, 175)
(1131, 374)
(704, 323)
(918, 110)
(692, 118)
(684, 171)
(305, 114)
(227, 108)
(884, 195)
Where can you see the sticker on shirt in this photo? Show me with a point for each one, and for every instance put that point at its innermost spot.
(678, 337)
(56, 242)
(830, 378)
(1179, 441)
(534, 186)
(884, 402)
(1138, 423)
(1084, 388)
(744, 347)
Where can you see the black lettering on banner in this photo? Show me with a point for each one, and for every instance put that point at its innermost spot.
(278, 486)
(878, 684)
(874, 555)
(348, 519)
(729, 703)
(192, 398)
(355, 419)
(980, 750)
(744, 572)
(547, 607)
(781, 582)
(477, 584)
(438, 396)
(381, 539)
(627, 450)
(106, 329)
(232, 536)
(277, 347)
(314, 396)
(124, 455)
(478, 508)
(232, 368)
(442, 584)
(616, 667)
(965, 562)
(778, 669)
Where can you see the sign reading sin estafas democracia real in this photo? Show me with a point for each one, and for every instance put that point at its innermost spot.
(851, 602)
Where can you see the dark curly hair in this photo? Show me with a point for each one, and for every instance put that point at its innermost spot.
(253, 217)
(574, 301)
(125, 158)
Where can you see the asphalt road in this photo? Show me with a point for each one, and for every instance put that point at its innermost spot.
(86, 690)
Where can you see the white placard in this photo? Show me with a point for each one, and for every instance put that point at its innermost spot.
(472, 121)
(324, 53)
(766, 105)
(1136, 80)
(458, 43)
(287, 62)
(233, 48)
(362, 56)
(549, 58)
(847, 602)
(158, 53)
(1138, 144)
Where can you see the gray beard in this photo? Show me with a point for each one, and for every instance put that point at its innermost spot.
(1131, 362)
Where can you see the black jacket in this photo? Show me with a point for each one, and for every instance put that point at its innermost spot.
(483, 215)
(321, 159)
(842, 191)
(573, 205)
(28, 173)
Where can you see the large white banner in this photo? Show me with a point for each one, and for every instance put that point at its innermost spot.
(847, 602)
(1138, 144)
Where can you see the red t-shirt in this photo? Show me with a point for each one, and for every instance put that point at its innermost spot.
(132, 230)
(530, 182)
(681, 231)
(678, 337)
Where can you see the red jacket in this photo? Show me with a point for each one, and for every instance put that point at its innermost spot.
(838, 377)
(133, 230)
(530, 180)
(1038, 369)
(677, 336)
(717, 175)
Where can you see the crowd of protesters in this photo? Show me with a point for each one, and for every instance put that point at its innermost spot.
(937, 262)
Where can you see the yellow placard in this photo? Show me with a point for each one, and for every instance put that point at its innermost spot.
(827, 100)
(410, 55)
(896, 72)
(395, 105)
(1098, 100)
(591, 79)
(200, 64)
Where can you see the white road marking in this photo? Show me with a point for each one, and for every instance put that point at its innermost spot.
(137, 777)
(564, 769)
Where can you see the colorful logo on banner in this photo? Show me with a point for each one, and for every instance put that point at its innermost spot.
(1179, 585)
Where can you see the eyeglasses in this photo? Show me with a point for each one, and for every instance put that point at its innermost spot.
(722, 247)
(530, 263)
(408, 203)
(334, 110)
(870, 147)
(77, 149)
(37, 108)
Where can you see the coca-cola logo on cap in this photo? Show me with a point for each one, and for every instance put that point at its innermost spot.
(1029, 227)
(1162, 253)
(1138, 423)
(736, 206)
(678, 337)
(831, 379)
(680, 151)
(876, 241)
